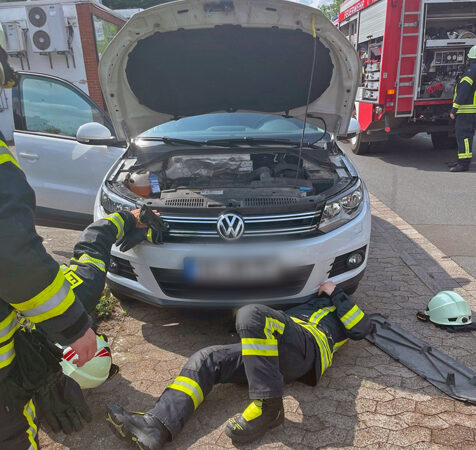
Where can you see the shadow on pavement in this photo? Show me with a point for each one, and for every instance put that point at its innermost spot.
(417, 152)
(364, 399)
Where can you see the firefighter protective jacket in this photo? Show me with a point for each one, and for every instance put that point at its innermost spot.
(465, 93)
(339, 316)
(32, 285)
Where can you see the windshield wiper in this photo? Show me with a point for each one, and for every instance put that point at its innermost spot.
(170, 140)
(251, 141)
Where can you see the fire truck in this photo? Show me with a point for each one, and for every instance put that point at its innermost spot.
(412, 53)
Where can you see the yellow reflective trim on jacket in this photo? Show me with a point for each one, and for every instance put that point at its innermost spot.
(29, 411)
(467, 79)
(338, 345)
(189, 387)
(53, 301)
(9, 158)
(118, 221)
(7, 354)
(149, 235)
(87, 259)
(8, 327)
(320, 314)
(322, 343)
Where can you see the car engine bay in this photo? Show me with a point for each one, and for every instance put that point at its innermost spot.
(238, 178)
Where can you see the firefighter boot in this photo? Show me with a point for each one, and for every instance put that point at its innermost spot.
(460, 168)
(141, 429)
(259, 417)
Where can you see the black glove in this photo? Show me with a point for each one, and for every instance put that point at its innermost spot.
(131, 239)
(11, 77)
(157, 227)
(61, 404)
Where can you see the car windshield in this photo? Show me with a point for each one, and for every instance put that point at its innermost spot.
(236, 126)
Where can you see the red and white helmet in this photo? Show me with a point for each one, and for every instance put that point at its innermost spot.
(95, 372)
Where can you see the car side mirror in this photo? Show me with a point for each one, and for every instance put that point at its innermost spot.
(94, 133)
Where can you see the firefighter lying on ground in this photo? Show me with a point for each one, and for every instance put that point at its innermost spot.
(464, 111)
(276, 348)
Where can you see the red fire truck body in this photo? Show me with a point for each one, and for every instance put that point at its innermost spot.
(412, 53)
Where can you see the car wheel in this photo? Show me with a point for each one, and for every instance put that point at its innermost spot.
(351, 289)
(442, 141)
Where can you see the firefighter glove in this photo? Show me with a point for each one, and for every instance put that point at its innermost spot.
(62, 405)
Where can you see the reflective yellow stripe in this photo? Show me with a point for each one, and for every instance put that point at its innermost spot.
(352, 317)
(7, 354)
(322, 343)
(8, 326)
(53, 301)
(189, 387)
(86, 259)
(455, 105)
(467, 79)
(320, 314)
(8, 158)
(118, 221)
(149, 235)
(259, 347)
(253, 411)
(271, 326)
(29, 412)
(339, 344)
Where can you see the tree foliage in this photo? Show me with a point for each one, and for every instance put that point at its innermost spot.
(331, 10)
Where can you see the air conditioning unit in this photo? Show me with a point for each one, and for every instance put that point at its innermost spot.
(47, 28)
(15, 38)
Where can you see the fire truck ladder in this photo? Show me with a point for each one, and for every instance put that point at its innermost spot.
(406, 69)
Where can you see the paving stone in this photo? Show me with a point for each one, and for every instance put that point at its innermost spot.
(433, 422)
(394, 423)
(454, 418)
(325, 437)
(453, 435)
(410, 436)
(370, 436)
(435, 406)
(396, 406)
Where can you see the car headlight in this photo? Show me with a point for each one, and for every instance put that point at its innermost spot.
(340, 210)
(112, 202)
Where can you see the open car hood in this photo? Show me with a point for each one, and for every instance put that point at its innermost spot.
(194, 57)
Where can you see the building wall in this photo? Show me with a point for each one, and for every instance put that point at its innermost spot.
(85, 11)
(82, 74)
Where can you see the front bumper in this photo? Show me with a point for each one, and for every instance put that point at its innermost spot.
(319, 252)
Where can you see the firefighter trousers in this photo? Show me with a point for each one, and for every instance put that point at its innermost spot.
(19, 428)
(274, 350)
(465, 128)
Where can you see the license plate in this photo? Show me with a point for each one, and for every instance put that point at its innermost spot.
(221, 270)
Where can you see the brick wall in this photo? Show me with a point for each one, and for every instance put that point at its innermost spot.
(85, 13)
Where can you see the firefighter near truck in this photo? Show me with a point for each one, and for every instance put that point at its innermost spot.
(413, 52)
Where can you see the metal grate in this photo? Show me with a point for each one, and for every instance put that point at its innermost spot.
(269, 201)
(185, 202)
(122, 267)
(255, 225)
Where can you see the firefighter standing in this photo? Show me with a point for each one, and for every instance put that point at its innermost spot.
(276, 348)
(54, 300)
(464, 111)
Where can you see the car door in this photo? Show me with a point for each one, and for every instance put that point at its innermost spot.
(64, 173)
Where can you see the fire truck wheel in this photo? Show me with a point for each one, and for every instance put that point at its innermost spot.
(442, 141)
(358, 147)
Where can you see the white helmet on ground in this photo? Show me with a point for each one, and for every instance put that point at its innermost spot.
(449, 308)
(95, 372)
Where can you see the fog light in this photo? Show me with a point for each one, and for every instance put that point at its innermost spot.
(355, 260)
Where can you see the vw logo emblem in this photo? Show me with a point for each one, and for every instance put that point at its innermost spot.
(230, 226)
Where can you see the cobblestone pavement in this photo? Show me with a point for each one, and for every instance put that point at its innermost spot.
(365, 400)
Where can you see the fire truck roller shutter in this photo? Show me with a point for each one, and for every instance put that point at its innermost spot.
(372, 21)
